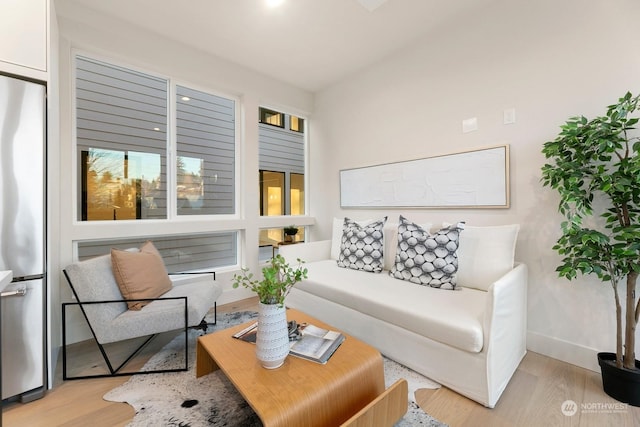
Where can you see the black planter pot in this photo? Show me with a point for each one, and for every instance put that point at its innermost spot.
(620, 383)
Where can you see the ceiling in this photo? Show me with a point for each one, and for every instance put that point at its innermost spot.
(310, 44)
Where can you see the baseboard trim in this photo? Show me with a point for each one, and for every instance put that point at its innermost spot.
(565, 351)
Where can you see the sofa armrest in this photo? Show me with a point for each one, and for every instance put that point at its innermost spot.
(507, 301)
(505, 327)
(308, 252)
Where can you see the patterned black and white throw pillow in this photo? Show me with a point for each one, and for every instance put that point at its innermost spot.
(427, 259)
(362, 247)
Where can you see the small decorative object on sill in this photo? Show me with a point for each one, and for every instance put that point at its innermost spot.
(289, 233)
(272, 341)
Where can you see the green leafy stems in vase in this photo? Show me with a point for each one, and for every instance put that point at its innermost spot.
(278, 279)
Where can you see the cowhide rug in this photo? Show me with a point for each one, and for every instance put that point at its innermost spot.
(182, 400)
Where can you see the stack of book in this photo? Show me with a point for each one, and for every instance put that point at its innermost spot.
(307, 341)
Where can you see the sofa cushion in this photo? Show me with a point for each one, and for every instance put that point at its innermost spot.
(362, 247)
(453, 318)
(486, 253)
(140, 274)
(425, 258)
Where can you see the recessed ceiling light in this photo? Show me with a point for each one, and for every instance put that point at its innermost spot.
(274, 3)
(186, 98)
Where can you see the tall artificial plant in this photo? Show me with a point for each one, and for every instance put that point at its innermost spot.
(595, 167)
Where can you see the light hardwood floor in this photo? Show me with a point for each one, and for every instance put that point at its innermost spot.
(534, 397)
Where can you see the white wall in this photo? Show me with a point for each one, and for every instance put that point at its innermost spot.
(549, 60)
(82, 30)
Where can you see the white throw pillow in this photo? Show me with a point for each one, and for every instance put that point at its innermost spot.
(485, 254)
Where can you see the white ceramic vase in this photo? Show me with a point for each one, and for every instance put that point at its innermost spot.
(272, 340)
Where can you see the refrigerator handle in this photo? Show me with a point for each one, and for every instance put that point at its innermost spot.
(16, 293)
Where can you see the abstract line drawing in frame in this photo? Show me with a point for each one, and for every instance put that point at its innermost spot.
(476, 178)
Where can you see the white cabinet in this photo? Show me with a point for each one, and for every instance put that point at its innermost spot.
(23, 33)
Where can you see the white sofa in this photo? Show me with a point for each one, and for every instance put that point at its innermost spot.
(470, 339)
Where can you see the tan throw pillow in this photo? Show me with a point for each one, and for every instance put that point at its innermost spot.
(140, 274)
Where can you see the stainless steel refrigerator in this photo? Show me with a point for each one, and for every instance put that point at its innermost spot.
(22, 237)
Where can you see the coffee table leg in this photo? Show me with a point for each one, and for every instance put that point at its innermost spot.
(204, 362)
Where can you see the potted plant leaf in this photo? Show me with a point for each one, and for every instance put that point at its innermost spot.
(272, 339)
(290, 232)
(595, 167)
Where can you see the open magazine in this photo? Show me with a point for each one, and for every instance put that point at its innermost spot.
(307, 341)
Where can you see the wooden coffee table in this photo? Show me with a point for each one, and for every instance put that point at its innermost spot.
(300, 392)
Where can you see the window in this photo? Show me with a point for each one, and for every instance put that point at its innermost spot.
(271, 117)
(122, 142)
(281, 163)
(125, 145)
(282, 168)
(121, 120)
(206, 153)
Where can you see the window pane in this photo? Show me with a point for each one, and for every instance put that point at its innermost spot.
(206, 153)
(121, 120)
(179, 253)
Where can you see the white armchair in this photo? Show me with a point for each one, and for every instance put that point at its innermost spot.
(100, 299)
